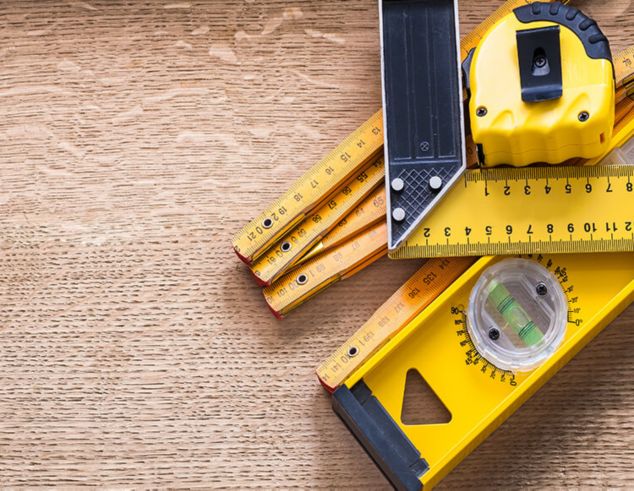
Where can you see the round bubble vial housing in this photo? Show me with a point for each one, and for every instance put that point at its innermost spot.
(517, 314)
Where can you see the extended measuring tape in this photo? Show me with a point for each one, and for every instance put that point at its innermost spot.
(331, 173)
(484, 346)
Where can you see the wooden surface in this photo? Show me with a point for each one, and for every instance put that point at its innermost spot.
(135, 350)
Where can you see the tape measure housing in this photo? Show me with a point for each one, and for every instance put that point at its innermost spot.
(541, 86)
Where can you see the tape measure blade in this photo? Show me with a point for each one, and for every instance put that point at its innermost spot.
(308, 192)
(487, 214)
(407, 302)
(304, 282)
(286, 253)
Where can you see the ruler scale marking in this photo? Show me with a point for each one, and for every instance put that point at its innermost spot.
(292, 246)
(489, 213)
(309, 191)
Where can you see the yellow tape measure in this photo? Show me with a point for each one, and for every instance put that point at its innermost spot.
(405, 304)
(443, 345)
(308, 279)
(292, 246)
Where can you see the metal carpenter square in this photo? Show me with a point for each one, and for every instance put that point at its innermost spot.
(423, 111)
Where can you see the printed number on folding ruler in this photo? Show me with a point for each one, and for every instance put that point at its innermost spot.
(484, 346)
(406, 303)
(310, 191)
(368, 213)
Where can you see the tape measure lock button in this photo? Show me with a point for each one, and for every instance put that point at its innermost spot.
(517, 314)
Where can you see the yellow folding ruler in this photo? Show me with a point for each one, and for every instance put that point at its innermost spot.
(293, 245)
(368, 213)
(485, 345)
(338, 263)
(313, 189)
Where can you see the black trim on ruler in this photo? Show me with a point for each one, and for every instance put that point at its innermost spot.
(381, 437)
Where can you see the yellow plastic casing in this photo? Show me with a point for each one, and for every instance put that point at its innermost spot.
(519, 133)
(478, 395)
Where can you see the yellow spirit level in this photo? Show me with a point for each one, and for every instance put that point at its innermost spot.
(527, 338)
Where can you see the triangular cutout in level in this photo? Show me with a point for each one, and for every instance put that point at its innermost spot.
(421, 405)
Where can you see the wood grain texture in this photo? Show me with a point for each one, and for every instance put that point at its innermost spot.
(135, 350)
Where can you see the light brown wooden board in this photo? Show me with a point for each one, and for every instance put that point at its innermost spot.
(135, 350)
